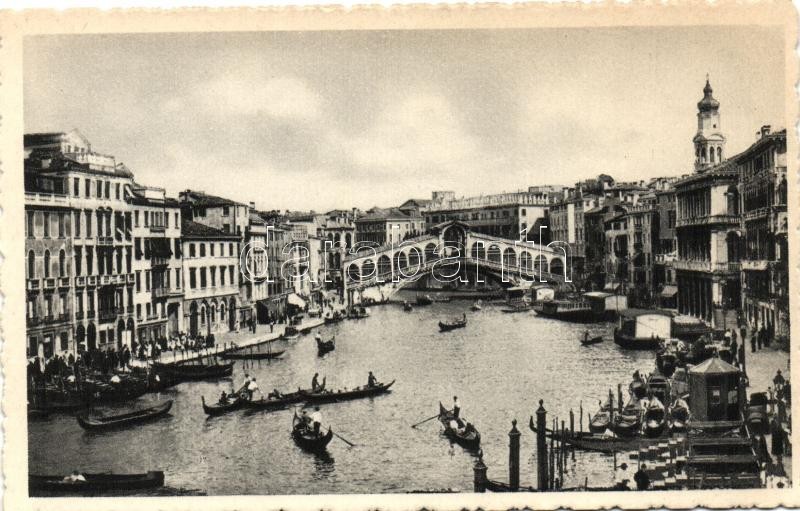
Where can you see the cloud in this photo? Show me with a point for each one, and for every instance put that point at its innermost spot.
(284, 98)
(418, 136)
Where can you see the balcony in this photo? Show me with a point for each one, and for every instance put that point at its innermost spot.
(160, 292)
(63, 282)
(90, 314)
(706, 266)
(33, 321)
(106, 280)
(130, 278)
(129, 309)
(106, 316)
(663, 258)
(91, 280)
(80, 281)
(708, 220)
(156, 228)
(159, 261)
(755, 265)
(49, 283)
(79, 315)
(105, 241)
(32, 284)
(45, 199)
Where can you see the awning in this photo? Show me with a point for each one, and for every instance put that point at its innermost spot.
(295, 299)
(669, 291)
(611, 286)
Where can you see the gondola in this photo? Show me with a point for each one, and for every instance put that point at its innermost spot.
(628, 424)
(332, 396)
(243, 355)
(220, 408)
(678, 415)
(407, 307)
(446, 326)
(465, 435)
(324, 347)
(101, 423)
(190, 372)
(638, 389)
(594, 442)
(600, 421)
(95, 483)
(593, 340)
(334, 318)
(424, 300)
(476, 306)
(513, 309)
(272, 403)
(655, 419)
(306, 439)
(290, 333)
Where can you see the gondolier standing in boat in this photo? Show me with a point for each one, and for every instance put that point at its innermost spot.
(456, 408)
(314, 382)
(252, 388)
(371, 380)
(585, 336)
(316, 419)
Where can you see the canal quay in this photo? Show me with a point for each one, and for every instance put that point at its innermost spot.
(499, 366)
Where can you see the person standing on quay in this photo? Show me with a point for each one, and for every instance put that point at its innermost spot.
(753, 342)
(641, 478)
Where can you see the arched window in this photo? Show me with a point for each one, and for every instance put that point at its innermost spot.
(719, 154)
(46, 264)
(31, 265)
(62, 263)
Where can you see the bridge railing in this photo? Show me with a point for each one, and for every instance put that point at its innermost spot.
(534, 273)
(388, 247)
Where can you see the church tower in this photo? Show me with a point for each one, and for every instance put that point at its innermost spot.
(709, 142)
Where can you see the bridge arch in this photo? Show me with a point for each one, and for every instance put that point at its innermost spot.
(384, 265)
(430, 252)
(367, 269)
(354, 272)
(400, 261)
(509, 258)
(493, 254)
(526, 262)
(557, 266)
(414, 259)
(478, 250)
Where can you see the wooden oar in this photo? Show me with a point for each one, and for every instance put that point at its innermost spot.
(340, 437)
(426, 420)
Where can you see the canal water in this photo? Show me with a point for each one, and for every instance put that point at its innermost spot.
(500, 365)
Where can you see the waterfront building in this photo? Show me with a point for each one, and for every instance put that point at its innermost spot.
(210, 276)
(338, 231)
(566, 223)
(385, 226)
(665, 248)
(78, 246)
(707, 226)
(230, 217)
(505, 215)
(764, 254)
(157, 265)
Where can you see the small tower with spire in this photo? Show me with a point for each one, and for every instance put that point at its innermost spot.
(709, 142)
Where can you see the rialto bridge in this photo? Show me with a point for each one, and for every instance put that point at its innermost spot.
(450, 252)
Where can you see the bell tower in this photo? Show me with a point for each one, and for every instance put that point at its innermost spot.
(709, 142)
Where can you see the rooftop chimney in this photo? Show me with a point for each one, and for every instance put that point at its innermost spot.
(765, 130)
(252, 205)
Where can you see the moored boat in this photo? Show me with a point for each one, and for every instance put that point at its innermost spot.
(95, 483)
(241, 354)
(642, 329)
(424, 300)
(512, 309)
(407, 307)
(290, 333)
(332, 396)
(464, 434)
(655, 418)
(477, 306)
(335, 317)
(305, 437)
(446, 326)
(101, 423)
(600, 421)
(220, 408)
(190, 372)
(594, 442)
(678, 415)
(628, 423)
(567, 310)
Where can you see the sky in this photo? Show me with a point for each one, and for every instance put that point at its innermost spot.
(341, 119)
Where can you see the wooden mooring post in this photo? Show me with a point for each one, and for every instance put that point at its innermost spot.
(479, 474)
(513, 456)
(541, 447)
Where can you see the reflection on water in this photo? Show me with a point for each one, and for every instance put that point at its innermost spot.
(500, 365)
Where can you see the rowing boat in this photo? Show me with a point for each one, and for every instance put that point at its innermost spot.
(96, 482)
(100, 423)
(446, 326)
(307, 439)
(188, 372)
(243, 355)
(594, 442)
(332, 396)
(272, 403)
(220, 408)
(464, 435)
(593, 340)
(324, 347)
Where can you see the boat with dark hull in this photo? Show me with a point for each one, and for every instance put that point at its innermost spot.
(516, 308)
(194, 372)
(333, 396)
(95, 483)
(274, 403)
(601, 421)
(103, 423)
(465, 435)
(306, 439)
(446, 326)
(324, 347)
(290, 333)
(567, 310)
(642, 329)
(423, 300)
(588, 341)
(595, 442)
(678, 415)
(241, 354)
(407, 307)
(220, 408)
(628, 423)
(336, 317)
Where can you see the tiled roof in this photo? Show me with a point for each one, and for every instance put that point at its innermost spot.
(190, 229)
(384, 214)
(204, 199)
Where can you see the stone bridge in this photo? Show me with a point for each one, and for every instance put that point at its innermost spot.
(450, 250)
